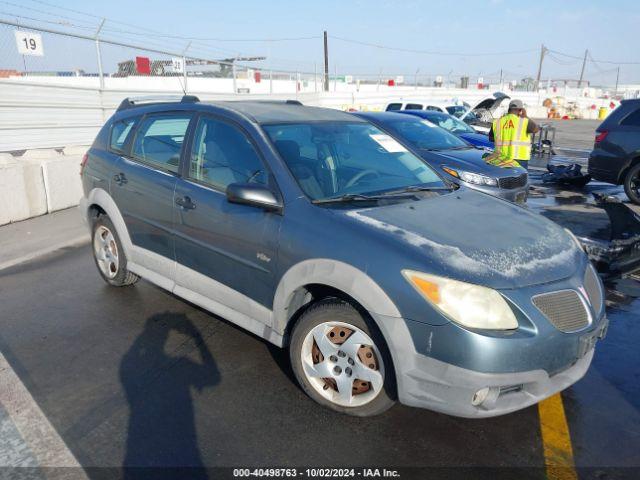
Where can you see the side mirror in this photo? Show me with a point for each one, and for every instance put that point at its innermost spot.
(254, 195)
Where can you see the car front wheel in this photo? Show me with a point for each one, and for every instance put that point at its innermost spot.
(340, 361)
(632, 184)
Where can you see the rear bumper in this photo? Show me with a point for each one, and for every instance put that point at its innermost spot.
(605, 167)
(83, 208)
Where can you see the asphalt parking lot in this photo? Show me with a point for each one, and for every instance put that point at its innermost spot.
(137, 377)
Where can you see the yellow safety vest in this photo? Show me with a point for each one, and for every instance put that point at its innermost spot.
(512, 143)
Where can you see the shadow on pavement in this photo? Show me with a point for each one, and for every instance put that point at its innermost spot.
(161, 429)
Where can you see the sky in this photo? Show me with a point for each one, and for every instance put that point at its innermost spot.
(473, 38)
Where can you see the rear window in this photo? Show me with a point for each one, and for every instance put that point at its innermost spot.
(119, 133)
(393, 107)
(413, 106)
(632, 120)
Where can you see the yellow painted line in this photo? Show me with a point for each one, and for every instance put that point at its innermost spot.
(556, 440)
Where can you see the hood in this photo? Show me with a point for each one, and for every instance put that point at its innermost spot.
(469, 160)
(475, 238)
(492, 103)
(486, 108)
(477, 139)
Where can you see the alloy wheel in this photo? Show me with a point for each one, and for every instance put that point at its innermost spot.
(105, 250)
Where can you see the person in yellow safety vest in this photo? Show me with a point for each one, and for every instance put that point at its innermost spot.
(511, 135)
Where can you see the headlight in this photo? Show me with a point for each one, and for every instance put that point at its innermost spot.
(478, 179)
(469, 305)
(469, 177)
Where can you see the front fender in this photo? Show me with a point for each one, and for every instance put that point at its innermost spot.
(332, 273)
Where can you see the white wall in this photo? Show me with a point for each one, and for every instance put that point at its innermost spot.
(54, 112)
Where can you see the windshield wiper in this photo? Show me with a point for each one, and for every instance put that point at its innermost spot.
(418, 188)
(355, 197)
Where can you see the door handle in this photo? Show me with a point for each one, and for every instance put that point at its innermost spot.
(120, 178)
(185, 202)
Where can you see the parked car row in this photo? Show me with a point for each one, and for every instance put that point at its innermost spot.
(345, 239)
(478, 117)
(459, 161)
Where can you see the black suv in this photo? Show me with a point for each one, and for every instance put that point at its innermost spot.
(616, 153)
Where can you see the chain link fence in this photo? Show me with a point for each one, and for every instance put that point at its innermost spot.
(95, 58)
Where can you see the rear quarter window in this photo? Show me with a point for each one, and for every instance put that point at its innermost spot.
(393, 107)
(119, 133)
(633, 119)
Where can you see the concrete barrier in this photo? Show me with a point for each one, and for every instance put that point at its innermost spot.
(14, 205)
(6, 158)
(62, 182)
(75, 150)
(34, 187)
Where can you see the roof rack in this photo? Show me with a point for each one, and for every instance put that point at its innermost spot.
(273, 102)
(131, 102)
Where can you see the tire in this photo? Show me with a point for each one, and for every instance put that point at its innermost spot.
(328, 345)
(109, 255)
(632, 184)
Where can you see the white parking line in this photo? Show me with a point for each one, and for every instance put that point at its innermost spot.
(37, 432)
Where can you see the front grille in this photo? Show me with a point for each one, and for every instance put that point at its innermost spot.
(509, 183)
(592, 286)
(564, 309)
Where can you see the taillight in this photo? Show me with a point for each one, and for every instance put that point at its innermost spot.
(83, 163)
(601, 136)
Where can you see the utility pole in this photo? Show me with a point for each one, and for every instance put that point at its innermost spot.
(501, 79)
(543, 50)
(233, 71)
(99, 57)
(184, 66)
(617, 79)
(326, 63)
(584, 62)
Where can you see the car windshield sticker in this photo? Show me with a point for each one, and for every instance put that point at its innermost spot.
(391, 145)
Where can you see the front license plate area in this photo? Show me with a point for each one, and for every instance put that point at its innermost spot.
(588, 341)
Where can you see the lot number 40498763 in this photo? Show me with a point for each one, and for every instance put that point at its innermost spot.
(29, 43)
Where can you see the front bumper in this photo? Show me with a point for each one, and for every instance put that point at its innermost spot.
(426, 382)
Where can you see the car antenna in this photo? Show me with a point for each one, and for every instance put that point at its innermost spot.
(183, 85)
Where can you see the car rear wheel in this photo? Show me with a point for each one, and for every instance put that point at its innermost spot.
(632, 184)
(109, 254)
(340, 361)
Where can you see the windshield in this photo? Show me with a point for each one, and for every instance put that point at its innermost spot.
(330, 159)
(426, 135)
(451, 124)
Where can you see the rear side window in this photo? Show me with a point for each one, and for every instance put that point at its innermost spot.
(632, 120)
(393, 107)
(434, 108)
(413, 106)
(159, 140)
(119, 133)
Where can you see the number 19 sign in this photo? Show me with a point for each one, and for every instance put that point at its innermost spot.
(29, 43)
